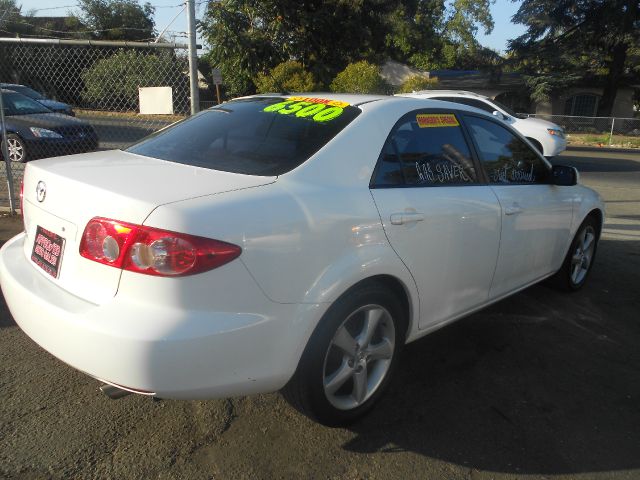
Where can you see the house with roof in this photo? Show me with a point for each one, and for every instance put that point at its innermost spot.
(510, 89)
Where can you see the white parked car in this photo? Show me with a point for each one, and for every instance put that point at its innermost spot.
(545, 136)
(293, 241)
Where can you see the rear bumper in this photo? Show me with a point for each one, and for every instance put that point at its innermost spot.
(172, 352)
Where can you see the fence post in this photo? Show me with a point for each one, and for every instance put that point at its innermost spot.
(613, 122)
(5, 155)
(193, 57)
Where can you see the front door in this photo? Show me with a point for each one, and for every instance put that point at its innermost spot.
(536, 216)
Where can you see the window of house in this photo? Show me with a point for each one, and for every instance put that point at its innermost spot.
(585, 105)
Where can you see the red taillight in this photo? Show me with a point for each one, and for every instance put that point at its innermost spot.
(22, 197)
(152, 251)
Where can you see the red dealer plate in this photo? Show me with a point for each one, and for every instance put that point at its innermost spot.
(47, 251)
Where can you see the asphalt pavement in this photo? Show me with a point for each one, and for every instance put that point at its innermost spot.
(541, 385)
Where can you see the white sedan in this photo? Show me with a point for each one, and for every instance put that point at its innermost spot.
(547, 137)
(288, 242)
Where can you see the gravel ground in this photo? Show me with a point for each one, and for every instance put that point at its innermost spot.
(540, 385)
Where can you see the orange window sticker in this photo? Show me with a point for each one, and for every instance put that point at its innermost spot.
(325, 101)
(427, 120)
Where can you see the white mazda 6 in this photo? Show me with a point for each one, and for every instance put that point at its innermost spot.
(288, 242)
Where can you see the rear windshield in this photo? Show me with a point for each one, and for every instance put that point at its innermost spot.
(18, 104)
(264, 136)
(29, 92)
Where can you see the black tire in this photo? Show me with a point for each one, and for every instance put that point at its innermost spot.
(536, 144)
(17, 149)
(306, 390)
(565, 278)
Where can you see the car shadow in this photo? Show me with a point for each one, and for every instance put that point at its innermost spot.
(543, 382)
(6, 320)
(599, 164)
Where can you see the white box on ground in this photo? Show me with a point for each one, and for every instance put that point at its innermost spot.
(156, 100)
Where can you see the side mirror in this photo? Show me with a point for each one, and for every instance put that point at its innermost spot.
(564, 176)
(501, 116)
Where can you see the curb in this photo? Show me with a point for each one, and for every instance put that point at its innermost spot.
(586, 148)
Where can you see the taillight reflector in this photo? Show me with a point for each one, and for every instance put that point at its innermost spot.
(152, 251)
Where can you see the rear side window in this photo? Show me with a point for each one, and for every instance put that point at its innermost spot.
(425, 149)
(259, 136)
(505, 157)
(472, 102)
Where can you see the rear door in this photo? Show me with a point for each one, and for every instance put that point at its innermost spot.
(536, 215)
(440, 218)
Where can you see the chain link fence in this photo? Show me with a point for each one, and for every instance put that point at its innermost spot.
(601, 131)
(92, 88)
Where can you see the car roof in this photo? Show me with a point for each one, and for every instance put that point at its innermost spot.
(354, 99)
(436, 93)
(362, 99)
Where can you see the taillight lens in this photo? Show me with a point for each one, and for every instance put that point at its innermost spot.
(24, 225)
(22, 197)
(152, 251)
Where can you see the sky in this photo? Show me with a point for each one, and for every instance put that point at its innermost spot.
(501, 10)
(503, 29)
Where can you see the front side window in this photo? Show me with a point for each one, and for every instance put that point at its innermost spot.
(264, 136)
(472, 102)
(506, 158)
(425, 149)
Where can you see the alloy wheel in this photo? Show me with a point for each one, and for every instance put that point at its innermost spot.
(359, 356)
(583, 255)
(16, 149)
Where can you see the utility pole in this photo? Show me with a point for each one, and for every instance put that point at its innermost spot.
(193, 56)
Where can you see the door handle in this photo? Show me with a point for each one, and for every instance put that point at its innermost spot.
(513, 209)
(406, 217)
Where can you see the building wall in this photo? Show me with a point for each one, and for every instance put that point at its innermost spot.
(622, 107)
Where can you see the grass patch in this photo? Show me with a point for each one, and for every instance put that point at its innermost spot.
(82, 113)
(602, 140)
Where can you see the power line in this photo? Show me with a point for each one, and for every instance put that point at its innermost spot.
(171, 33)
(77, 5)
(22, 22)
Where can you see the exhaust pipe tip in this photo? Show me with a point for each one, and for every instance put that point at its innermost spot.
(114, 393)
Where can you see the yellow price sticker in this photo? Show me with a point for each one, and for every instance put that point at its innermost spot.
(303, 107)
(430, 120)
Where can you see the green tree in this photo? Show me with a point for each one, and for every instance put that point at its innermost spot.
(588, 39)
(114, 81)
(286, 77)
(117, 19)
(415, 83)
(251, 36)
(12, 21)
(433, 34)
(359, 77)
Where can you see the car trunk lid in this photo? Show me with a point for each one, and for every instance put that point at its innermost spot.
(114, 184)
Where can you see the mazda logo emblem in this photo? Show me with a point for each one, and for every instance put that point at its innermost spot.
(41, 191)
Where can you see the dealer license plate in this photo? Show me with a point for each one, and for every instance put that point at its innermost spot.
(47, 251)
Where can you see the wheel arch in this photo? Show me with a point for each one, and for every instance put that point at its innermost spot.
(536, 144)
(399, 290)
(406, 295)
(598, 215)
